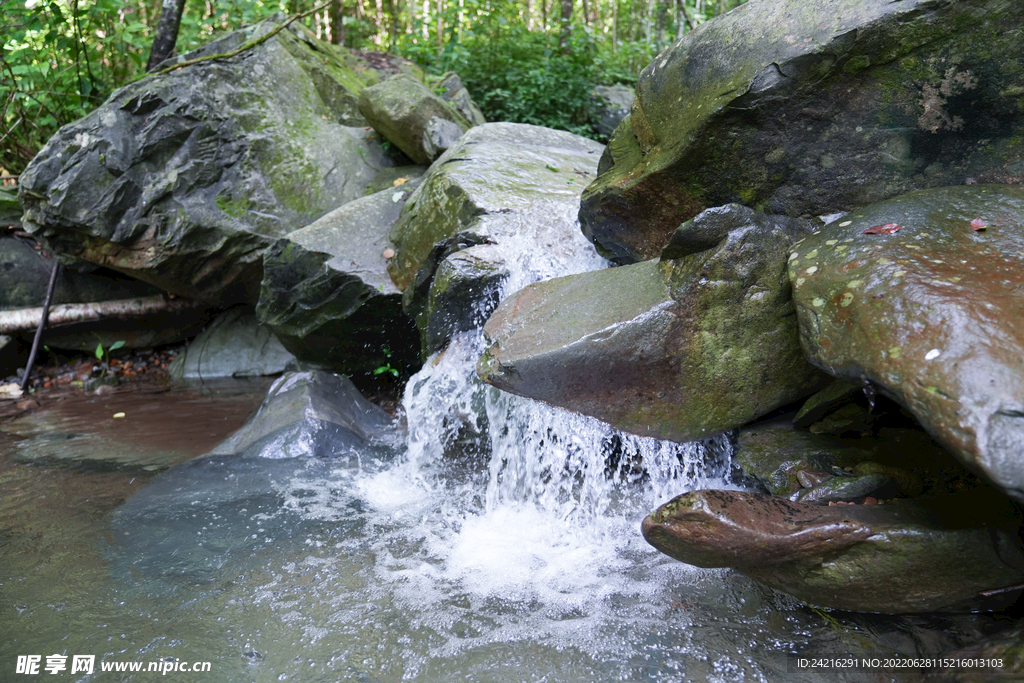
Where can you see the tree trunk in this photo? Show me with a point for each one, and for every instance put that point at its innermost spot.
(22, 319)
(336, 11)
(440, 23)
(166, 32)
(566, 28)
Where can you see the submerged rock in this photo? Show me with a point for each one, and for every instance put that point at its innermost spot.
(924, 555)
(674, 349)
(326, 291)
(234, 345)
(183, 179)
(505, 184)
(413, 118)
(313, 413)
(807, 107)
(932, 314)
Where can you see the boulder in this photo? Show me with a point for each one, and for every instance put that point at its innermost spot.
(509, 186)
(455, 93)
(413, 118)
(326, 291)
(10, 208)
(234, 345)
(312, 413)
(924, 555)
(182, 179)
(932, 314)
(25, 275)
(609, 105)
(999, 657)
(675, 349)
(805, 108)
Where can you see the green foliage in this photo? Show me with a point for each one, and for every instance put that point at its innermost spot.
(387, 368)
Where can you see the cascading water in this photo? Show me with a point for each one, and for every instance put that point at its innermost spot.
(498, 542)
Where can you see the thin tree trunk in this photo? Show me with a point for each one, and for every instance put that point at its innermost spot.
(440, 23)
(166, 32)
(586, 12)
(566, 27)
(337, 16)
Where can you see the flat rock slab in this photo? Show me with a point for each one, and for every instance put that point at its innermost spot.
(676, 349)
(909, 556)
(933, 314)
(183, 179)
(808, 107)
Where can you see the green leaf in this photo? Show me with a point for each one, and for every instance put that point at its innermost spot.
(99, 351)
(116, 345)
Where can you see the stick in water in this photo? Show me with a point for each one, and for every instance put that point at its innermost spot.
(42, 324)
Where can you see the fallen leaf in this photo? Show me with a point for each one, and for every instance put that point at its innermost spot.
(978, 224)
(399, 181)
(118, 416)
(388, 253)
(398, 196)
(887, 229)
(552, 167)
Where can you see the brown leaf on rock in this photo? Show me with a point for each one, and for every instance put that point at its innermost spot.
(887, 229)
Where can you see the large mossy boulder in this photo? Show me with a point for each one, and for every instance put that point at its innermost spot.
(183, 178)
(932, 313)
(504, 191)
(676, 349)
(326, 291)
(922, 555)
(808, 107)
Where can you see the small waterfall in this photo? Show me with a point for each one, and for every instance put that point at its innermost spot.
(550, 528)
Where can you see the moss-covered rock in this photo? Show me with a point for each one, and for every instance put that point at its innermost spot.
(675, 349)
(183, 179)
(413, 118)
(807, 107)
(923, 555)
(932, 314)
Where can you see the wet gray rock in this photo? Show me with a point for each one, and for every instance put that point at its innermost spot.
(924, 555)
(326, 291)
(930, 314)
(806, 108)
(830, 399)
(234, 345)
(511, 186)
(183, 179)
(609, 105)
(674, 349)
(413, 118)
(313, 413)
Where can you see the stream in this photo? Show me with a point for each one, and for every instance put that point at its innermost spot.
(493, 539)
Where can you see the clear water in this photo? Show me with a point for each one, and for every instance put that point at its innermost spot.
(498, 542)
